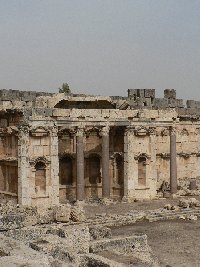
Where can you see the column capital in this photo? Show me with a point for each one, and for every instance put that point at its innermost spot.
(79, 132)
(129, 129)
(104, 131)
(23, 130)
(172, 130)
(53, 130)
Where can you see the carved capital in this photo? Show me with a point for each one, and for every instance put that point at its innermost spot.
(79, 132)
(66, 131)
(89, 130)
(104, 131)
(53, 130)
(152, 130)
(129, 129)
(172, 131)
(23, 130)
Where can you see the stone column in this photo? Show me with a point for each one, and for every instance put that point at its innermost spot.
(129, 164)
(105, 163)
(173, 165)
(80, 183)
(152, 176)
(54, 165)
(24, 197)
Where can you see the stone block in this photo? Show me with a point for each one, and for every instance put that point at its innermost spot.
(170, 93)
(128, 245)
(99, 232)
(132, 93)
(149, 93)
(161, 103)
(62, 213)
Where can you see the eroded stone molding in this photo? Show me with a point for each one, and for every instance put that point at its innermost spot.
(141, 131)
(165, 131)
(10, 130)
(34, 161)
(163, 155)
(39, 131)
(184, 132)
(115, 154)
(65, 154)
(64, 130)
(89, 130)
(129, 129)
(142, 155)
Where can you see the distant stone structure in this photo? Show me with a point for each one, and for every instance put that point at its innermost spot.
(56, 148)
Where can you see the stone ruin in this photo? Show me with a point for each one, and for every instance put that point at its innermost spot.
(59, 150)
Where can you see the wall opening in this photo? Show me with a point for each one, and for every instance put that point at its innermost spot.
(94, 169)
(119, 170)
(40, 177)
(66, 171)
(142, 171)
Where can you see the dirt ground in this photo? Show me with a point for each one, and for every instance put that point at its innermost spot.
(175, 243)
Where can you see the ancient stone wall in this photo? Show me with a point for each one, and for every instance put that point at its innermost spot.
(57, 147)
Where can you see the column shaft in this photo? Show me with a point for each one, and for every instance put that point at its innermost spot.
(173, 164)
(80, 185)
(23, 166)
(105, 166)
(54, 195)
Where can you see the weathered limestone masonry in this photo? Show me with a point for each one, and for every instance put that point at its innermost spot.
(56, 148)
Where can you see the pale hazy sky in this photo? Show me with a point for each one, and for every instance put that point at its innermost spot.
(101, 46)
